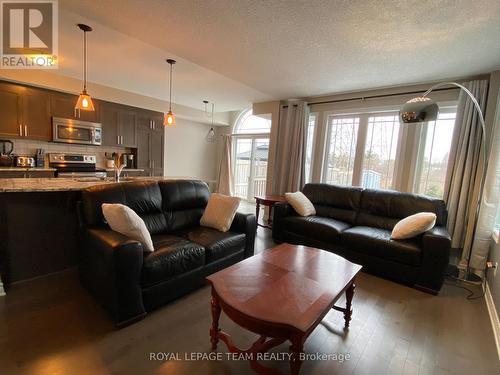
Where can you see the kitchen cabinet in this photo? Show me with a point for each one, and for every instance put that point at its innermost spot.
(150, 145)
(24, 112)
(10, 110)
(119, 125)
(63, 105)
(149, 120)
(36, 121)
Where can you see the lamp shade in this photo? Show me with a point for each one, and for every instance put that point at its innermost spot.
(420, 109)
(169, 119)
(84, 102)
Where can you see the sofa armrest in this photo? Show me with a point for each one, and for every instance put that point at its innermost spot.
(280, 211)
(245, 223)
(110, 267)
(436, 245)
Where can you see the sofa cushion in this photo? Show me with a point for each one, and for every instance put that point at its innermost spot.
(384, 208)
(377, 242)
(183, 203)
(317, 227)
(336, 202)
(172, 256)
(217, 244)
(124, 220)
(220, 211)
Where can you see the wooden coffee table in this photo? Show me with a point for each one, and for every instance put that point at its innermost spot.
(281, 294)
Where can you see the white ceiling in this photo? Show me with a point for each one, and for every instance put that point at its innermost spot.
(260, 50)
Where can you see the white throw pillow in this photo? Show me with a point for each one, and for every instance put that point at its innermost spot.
(220, 212)
(300, 203)
(124, 220)
(413, 225)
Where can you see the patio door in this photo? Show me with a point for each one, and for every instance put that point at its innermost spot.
(250, 166)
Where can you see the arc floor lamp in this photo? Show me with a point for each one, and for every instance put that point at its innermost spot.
(423, 109)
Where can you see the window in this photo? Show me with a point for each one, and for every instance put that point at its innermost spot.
(432, 160)
(250, 155)
(250, 124)
(380, 151)
(341, 149)
(309, 147)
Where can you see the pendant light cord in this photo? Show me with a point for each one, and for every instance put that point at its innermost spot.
(170, 101)
(85, 61)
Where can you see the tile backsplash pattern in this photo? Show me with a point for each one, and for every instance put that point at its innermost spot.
(29, 147)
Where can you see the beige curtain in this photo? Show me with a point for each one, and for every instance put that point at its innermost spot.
(225, 175)
(465, 167)
(290, 148)
(491, 197)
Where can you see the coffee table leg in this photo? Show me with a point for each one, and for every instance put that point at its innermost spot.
(214, 331)
(296, 348)
(349, 293)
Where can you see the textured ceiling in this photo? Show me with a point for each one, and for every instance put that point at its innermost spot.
(294, 48)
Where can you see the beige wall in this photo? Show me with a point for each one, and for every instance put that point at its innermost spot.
(187, 153)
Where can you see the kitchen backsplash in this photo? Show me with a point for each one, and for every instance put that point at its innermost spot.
(29, 147)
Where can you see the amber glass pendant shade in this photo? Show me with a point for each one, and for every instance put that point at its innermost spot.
(84, 102)
(169, 119)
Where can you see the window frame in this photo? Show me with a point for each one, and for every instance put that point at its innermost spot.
(417, 165)
(362, 134)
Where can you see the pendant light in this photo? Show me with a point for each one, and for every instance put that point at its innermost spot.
(169, 117)
(84, 101)
(211, 133)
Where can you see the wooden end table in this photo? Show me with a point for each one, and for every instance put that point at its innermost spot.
(281, 294)
(269, 201)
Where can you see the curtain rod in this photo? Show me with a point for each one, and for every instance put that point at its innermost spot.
(372, 97)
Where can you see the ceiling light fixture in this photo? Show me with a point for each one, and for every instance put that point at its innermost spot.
(211, 133)
(169, 117)
(84, 101)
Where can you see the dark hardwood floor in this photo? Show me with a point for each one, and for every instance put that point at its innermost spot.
(51, 325)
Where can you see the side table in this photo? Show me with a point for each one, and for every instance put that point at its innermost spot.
(269, 201)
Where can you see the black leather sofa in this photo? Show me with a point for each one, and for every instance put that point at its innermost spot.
(356, 223)
(129, 281)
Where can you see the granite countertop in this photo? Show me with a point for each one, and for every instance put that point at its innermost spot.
(11, 185)
(26, 169)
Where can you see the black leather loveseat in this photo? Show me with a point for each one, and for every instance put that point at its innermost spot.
(129, 281)
(356, 223)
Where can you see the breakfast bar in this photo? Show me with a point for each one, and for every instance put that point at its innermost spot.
(39, 224)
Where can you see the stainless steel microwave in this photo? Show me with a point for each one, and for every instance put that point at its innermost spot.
(66, 130)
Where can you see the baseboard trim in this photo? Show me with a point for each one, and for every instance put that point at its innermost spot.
(495, 322)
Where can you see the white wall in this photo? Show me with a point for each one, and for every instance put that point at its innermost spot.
(187, 153)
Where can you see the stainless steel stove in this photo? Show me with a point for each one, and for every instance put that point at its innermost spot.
(76, 166)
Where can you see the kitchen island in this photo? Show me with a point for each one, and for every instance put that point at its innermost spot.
(39, 224)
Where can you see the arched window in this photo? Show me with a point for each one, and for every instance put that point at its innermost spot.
(247, 123)
(250, 154)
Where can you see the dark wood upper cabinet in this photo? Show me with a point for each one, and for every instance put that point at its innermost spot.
(119, 125)
(110, 125)
(36, 114)
(10, 110)
(128, 127)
